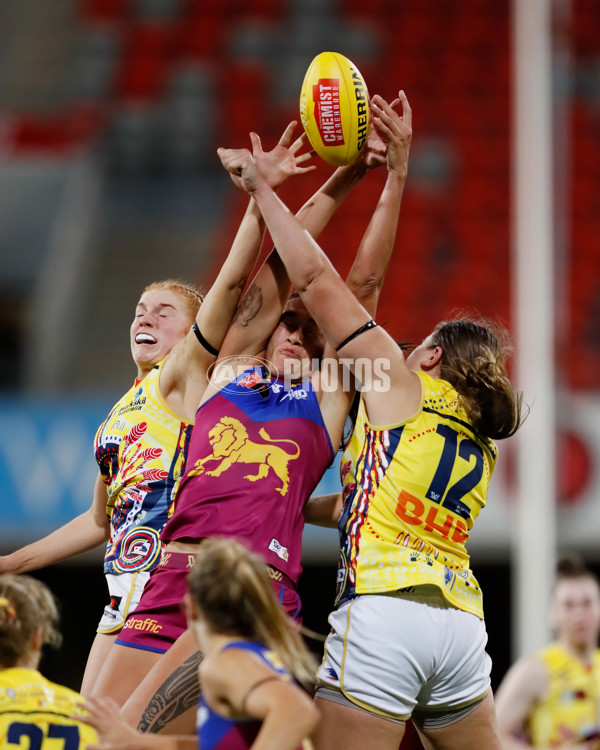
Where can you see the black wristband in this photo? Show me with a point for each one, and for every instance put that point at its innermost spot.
(369, 324)
(203, 341)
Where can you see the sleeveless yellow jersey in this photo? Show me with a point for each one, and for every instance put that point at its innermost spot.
(140, 449)
(411, 494)
(37, 714)
(570, 711)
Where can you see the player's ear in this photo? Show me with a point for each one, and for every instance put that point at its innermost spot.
(432, 357)
(436, 356)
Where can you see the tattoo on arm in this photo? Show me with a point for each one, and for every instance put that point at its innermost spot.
(178, 693)
(249, 306)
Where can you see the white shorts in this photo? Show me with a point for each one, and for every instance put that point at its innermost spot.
(125, 591)
(392, 654)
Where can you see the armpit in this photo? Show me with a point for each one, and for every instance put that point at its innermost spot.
(249, 306)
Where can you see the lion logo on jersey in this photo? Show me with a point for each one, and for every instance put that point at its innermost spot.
(231, 445)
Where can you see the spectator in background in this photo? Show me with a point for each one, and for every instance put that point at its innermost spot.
(254, 662)
(551, 699)
(33, 710)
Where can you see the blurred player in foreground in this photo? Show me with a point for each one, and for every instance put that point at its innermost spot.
(254, 661)
(33, 710)
(551, 699)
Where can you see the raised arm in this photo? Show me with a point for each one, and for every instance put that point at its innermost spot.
(337, 312)
(391, 135)
(184, 372)
(83, 533)
(261, 307)
(324, 510)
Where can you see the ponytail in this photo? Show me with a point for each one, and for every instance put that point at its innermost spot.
(474, 358)
(232, 589)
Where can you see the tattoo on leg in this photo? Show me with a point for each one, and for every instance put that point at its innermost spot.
(178, 693)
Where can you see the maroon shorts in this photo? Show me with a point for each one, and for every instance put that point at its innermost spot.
(159, 619)
(285, 591)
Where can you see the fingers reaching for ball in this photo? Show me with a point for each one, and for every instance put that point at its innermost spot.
(285, 160)
(276, 166)
(393, 124)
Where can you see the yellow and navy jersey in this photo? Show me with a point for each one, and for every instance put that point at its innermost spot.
(141, 449)
(38, 714)
(569, 713)
(411, 494)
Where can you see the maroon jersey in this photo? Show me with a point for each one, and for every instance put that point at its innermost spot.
(255, 456)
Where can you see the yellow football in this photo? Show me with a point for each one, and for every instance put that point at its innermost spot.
(334, 108)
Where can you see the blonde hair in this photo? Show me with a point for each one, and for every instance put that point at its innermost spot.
(26, 605)
(231, 587)
(192, 296)
(474, 357)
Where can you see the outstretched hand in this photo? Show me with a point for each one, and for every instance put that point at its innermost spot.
(392, 127)
(374, 151)
(284, 161)
(105, 717)
(240, 164)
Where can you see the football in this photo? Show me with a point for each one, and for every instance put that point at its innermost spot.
(334, 108)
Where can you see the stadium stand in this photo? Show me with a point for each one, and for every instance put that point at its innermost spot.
(159, 84)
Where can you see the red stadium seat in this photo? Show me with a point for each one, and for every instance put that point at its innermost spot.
(142, 77)
(202, 36)
(243, 92)
(267, 9)
(105, 10)
(151, 39)
(53, 135)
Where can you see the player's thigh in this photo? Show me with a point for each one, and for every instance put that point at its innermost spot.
(351, 728)
(101, 647)
(476, 731)
(169, 691)
(123, 670)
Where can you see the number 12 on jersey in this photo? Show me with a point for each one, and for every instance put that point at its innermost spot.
(414, 512)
